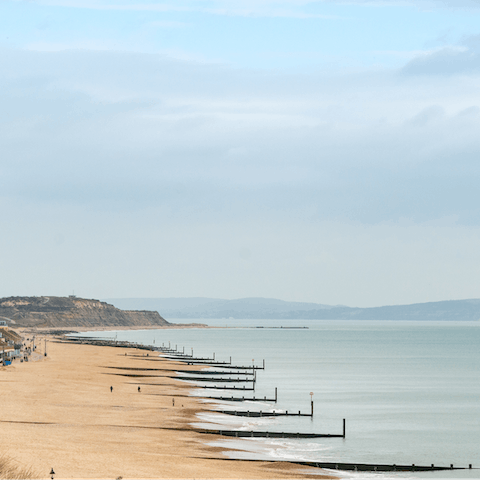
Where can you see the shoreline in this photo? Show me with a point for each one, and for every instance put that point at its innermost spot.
(52, 330)
(58, 412)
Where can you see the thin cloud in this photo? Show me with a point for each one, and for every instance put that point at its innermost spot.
(259, 10)
(452, 60)
(168, 24)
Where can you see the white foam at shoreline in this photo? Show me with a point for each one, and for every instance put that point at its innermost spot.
(274, 449)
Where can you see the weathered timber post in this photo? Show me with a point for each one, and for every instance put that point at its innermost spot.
(343, 428)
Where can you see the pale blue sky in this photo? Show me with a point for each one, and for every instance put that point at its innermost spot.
(260, 35)
(312, 151)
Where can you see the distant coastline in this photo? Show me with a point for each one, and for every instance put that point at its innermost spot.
(273, 309)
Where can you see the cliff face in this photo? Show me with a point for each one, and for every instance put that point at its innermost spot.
(72, 312)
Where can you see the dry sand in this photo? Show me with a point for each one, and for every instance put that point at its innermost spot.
(59, 412)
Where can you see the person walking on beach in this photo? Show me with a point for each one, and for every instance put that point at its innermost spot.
(111, 389)
(173, 402)
(138, 389)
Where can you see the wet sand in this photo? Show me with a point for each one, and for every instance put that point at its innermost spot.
(58, 412)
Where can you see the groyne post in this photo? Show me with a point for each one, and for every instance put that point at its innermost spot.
(343, 428)
(311, 414)
(275, 394)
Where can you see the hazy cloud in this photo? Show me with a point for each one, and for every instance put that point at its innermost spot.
(139, 175)
(463, 59)
(252, 7)
(132, 129)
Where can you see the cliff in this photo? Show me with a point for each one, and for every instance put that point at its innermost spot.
(71, 311)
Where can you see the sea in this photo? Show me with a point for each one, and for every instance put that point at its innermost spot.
(409, 391)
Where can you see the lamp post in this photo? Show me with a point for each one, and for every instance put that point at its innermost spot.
(311, 402)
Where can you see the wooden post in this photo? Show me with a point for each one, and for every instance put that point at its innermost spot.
(264, 364)
(311, 414)
(343, 428)
(275, 394)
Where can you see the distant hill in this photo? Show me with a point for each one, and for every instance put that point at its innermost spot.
(192, 307)
(71, 311)
(267, 308)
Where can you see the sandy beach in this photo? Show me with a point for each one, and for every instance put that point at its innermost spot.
(60, 412)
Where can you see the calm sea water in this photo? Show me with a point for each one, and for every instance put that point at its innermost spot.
(409, 391)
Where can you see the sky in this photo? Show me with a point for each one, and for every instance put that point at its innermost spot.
(315, 151)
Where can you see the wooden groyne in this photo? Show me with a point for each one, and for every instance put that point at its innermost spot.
(193, 372)
(257, 434)
(248, 413)
(242, 399)
(362, 467)
(194, 361)
(210, 372)
(190, 360)
(245, 399)
(243, 367)
(228, 387)
(218, 380)
(375, 467)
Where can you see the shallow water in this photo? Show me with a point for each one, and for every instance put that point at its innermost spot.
(409, 391)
